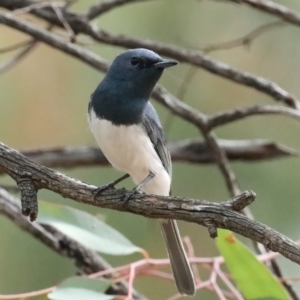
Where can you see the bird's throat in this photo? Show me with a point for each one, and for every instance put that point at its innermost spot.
(120, 111)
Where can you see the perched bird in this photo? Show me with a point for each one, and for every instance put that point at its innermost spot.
(129, 133)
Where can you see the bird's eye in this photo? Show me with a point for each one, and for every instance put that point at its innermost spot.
(135, 61)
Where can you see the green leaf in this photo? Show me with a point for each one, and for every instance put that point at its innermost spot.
(85, 229)
(252, 277)
(78, 288)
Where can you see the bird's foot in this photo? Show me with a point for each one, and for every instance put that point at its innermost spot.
(103, 188)
(129, 194)
(107, 186)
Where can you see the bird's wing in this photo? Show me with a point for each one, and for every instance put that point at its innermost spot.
(152, 125)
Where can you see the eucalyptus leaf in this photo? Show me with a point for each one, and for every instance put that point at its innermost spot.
(252, 277)
(85, 229)
(78, 288)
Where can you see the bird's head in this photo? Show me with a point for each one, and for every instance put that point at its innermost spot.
(138, 70)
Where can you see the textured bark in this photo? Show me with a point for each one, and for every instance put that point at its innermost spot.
(211, 215)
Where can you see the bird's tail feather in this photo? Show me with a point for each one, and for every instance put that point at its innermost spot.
(180, 266)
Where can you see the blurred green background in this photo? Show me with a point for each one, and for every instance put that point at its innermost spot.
(44, 103)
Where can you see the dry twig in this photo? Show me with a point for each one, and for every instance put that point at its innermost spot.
(270, 7)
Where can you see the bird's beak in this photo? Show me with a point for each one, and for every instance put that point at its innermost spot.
(165, 63)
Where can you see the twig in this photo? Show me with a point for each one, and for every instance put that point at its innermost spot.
(270, 7)
(17, 58)
(104, 6)
(63, 21)
(187, 79)
(28, 294)
(33, 6)
(245, 40)
(180, 95)
(14, 46)
(226, 117)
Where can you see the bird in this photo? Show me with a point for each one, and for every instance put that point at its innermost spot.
(128, 131)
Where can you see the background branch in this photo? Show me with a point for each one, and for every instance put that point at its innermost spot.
(18, 57)
(245, 40)
(270, 7)
(104, 6)
(193, 151)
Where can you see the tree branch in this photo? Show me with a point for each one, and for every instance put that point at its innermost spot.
(245, 40)
(18, 57)
(226, 117)
(15, 46)
(270, 7)
(104, 6)
(193, 151)
(211, 215)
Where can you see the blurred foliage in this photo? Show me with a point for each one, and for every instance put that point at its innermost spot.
(78, 288)
(44, 103)
(85, 229)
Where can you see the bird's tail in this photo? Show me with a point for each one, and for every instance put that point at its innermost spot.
(180, 266)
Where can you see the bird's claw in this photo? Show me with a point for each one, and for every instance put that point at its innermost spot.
(128, 195)
(103, 188)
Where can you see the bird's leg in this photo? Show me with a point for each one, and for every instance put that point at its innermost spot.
(135, 189)
(104, 187)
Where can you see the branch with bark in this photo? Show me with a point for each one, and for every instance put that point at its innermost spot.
(31, 177)
(192, 151)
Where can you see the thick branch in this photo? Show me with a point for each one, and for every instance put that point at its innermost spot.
(211, 215)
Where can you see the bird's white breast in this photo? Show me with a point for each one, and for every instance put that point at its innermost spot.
(129, 149)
